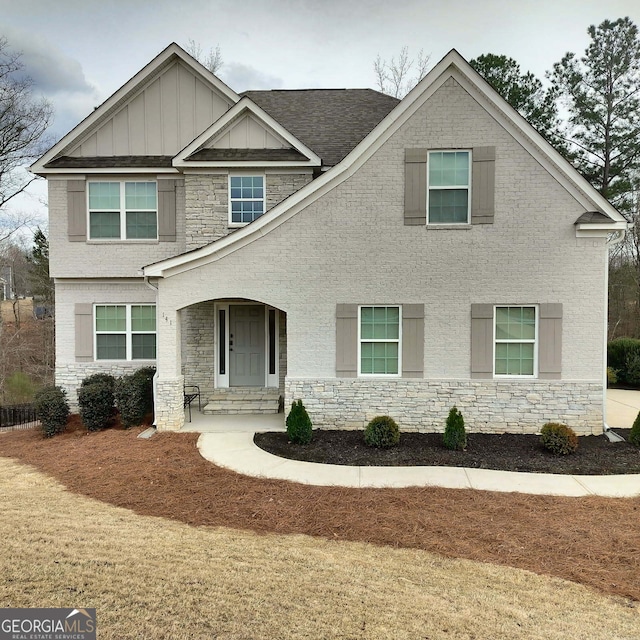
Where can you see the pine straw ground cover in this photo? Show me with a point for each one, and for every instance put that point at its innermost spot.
(591, 540)
(157, 579)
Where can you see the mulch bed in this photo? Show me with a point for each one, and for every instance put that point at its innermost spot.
(595, 455)
(589, 540)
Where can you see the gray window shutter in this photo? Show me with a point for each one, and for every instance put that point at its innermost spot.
(346, 340)
(550, 341)
(412, 340)
(167, 210)
(483, 185)
(84, 332)
(482, 341)
(415, 187)
(77, 210)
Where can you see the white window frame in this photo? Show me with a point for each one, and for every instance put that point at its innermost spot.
(386, 340)
(254, 174)
(128, 332)
(535, 341)
(452, 187)
(122, 211)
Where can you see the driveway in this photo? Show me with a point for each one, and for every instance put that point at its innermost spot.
(622, 407)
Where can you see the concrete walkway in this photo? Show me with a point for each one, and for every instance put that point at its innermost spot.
(228, 442)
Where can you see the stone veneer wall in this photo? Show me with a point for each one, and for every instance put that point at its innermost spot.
(487, 406)
(70, 376)
(207, 203)
(170, 413)
(198, 347)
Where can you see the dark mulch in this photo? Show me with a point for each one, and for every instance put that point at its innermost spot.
(595, 455)
(591, 540)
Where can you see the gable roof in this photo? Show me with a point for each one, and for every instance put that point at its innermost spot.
(329, 121)
(452, 65)
(109, 107)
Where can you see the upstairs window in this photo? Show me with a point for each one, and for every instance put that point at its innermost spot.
(246, 197)
(123, 211)
(449, 193)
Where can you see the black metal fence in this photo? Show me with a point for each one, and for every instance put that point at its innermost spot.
(19, 416)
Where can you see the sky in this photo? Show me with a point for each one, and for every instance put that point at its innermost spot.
(78, 52)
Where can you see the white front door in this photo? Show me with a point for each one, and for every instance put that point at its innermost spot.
(246, 346)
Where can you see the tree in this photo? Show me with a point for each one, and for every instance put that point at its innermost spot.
(395, 78)
(601, 93)
(524, 92)
(41, 283)
(24, 119)
(211, 60)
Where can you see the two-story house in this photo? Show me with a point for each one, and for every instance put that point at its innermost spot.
(368, 255)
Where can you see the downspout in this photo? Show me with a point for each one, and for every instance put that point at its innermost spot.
(155, 375)
(614, 238)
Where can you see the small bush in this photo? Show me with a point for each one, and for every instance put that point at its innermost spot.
(632, 370)
(99, 378)
(96, 405)
(634, 435)
(455, 435)
(145, 377)
(382, 432)
(612, 376)
(130, 398)
(623, 356)
(52, 410)
(299, 427)
(558, 438)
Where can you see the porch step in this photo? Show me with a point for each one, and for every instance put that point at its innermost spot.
(249, 400)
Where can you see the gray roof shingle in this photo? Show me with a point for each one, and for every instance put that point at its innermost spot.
(109, 162)
(331, 122)
(245, 154)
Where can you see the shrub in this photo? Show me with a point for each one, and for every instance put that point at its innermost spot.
(96, 405)
(99, 378)
(559, 438)
(623, 355)
(299, 427)
(145, 376)
(455, 435)
(634, 435)
(612, 376)
(52, 410)
(130, 399)
(382, 432)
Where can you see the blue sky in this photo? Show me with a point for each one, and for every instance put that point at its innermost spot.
(79, 52)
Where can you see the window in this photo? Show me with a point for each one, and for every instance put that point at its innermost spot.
(125, 332)
(449, 179)
(515, 341)
(379, 341)
(123, 210)
(246, 196)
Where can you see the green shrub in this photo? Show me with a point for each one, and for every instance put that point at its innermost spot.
(52, 410)
(299, 427)
(455, 435)
(130, 398)
(96, 405)
(18, 388)
(623, 356)
(145, 377)
(634, 436)
(99, 378)
(612, 376)
(382, 432)
(559, 438)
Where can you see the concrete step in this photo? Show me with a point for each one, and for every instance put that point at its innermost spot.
(243, 400)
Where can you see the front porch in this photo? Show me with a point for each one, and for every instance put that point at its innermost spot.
(234, 423)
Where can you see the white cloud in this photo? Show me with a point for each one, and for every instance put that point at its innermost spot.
(242, 77)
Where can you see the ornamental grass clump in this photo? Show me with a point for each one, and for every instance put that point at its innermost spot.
(558, 438)
(634, 436)
(52, 410)
(299, 427)
(382, 432)
(455, 435)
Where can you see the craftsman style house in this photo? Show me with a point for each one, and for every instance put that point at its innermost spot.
(368, 255)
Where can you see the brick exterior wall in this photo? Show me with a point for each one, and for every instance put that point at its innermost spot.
(350, 246)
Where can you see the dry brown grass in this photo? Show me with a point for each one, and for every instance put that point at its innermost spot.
(160, 579)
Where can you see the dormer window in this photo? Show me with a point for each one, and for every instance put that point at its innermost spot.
(246, 199)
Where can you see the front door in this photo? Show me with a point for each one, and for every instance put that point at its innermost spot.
(246, 346)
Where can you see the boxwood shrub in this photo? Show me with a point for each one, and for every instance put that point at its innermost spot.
(96, 405)
(382, 432)
(52, 410)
